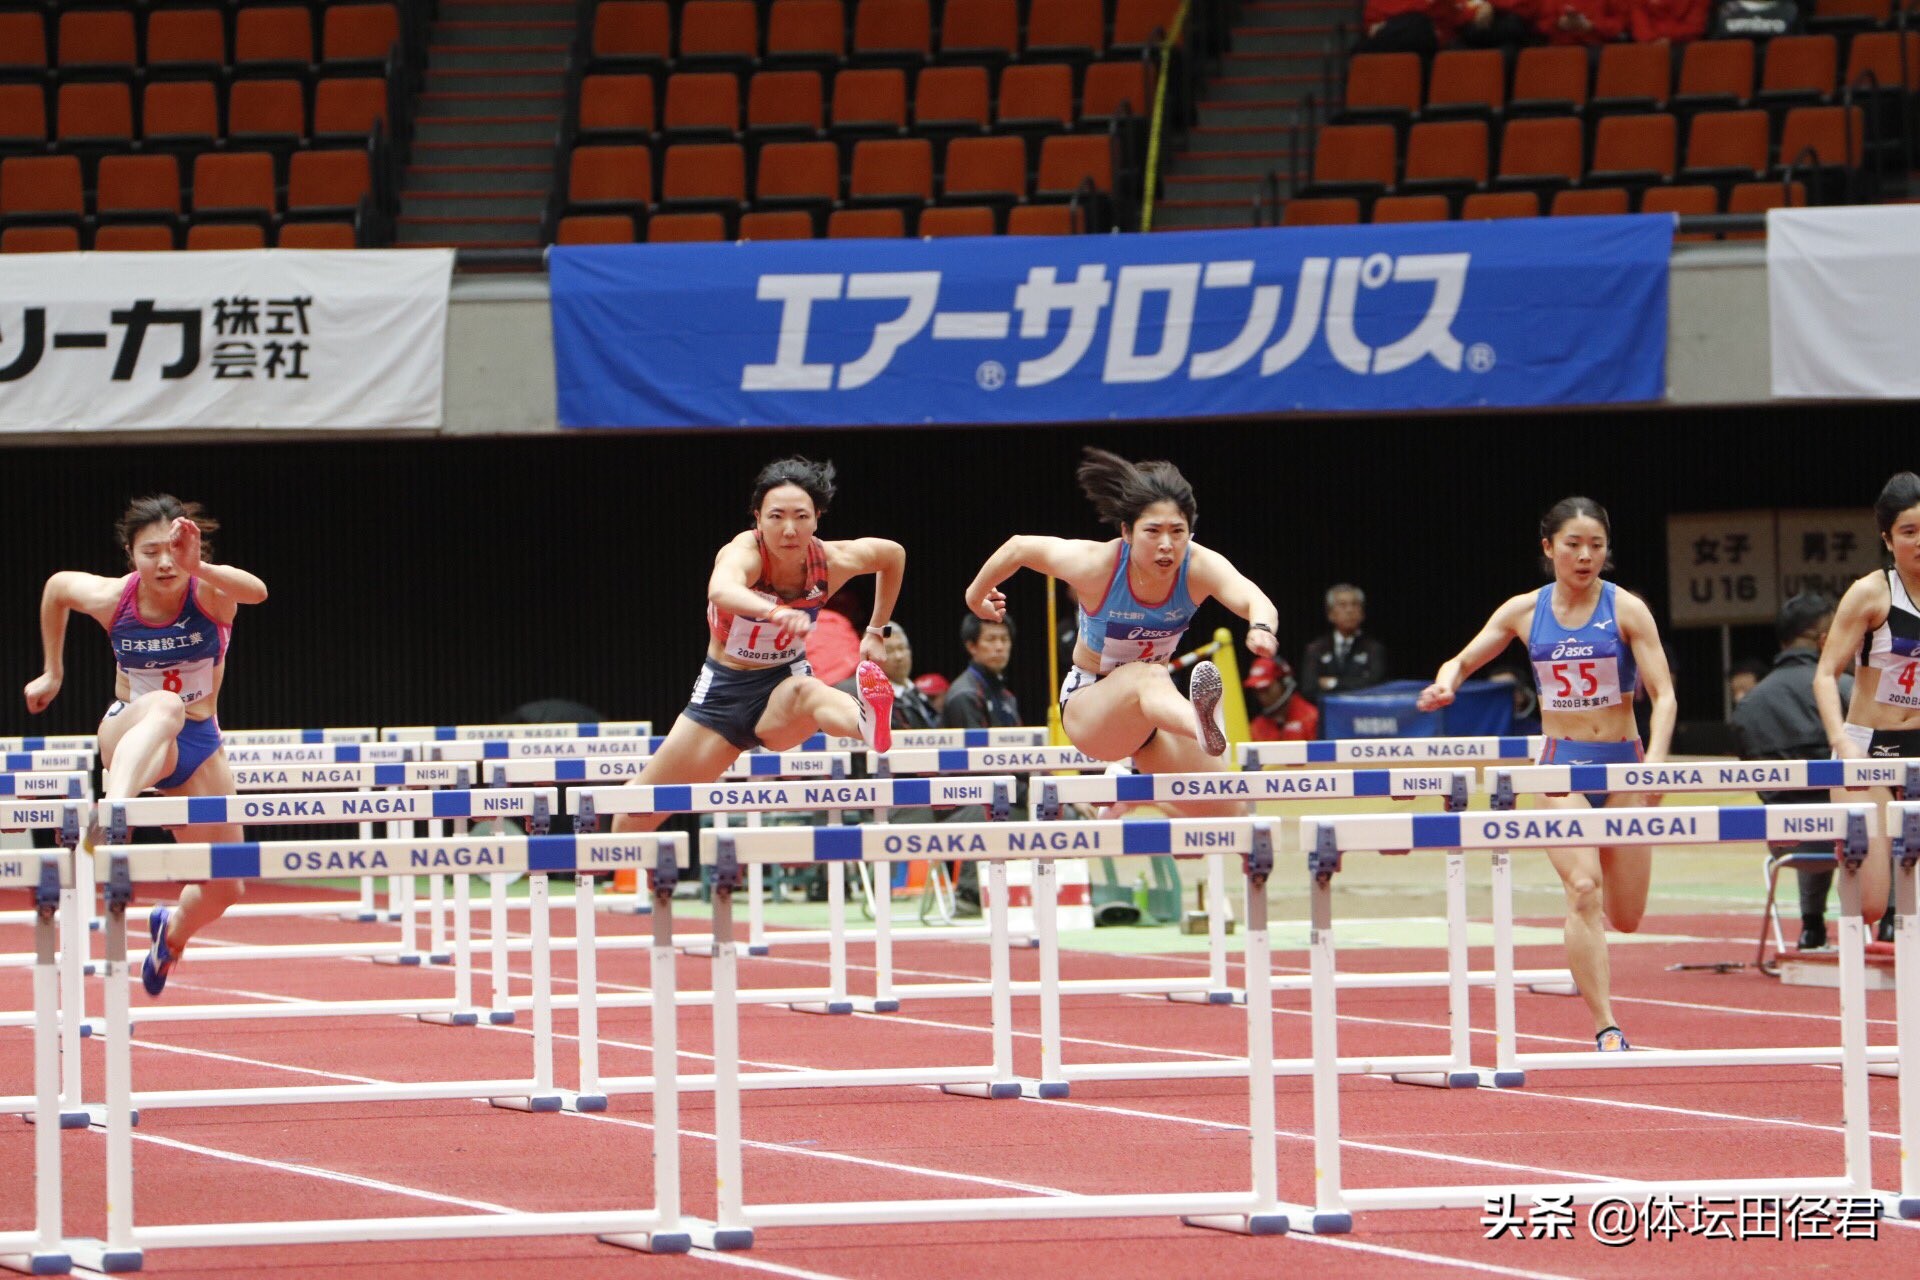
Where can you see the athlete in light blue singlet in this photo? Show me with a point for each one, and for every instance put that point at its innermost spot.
(1593, 646)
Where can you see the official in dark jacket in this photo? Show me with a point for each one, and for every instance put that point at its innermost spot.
(1343, 660)
(1778, 721)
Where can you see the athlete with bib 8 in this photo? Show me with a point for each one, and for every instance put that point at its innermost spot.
(756, 688)
(1878, 622)
(1136, 595)
(163, 729)
(1592, 646)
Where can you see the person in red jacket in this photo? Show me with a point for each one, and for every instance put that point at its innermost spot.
(1649, 20)
(1409, 26)
(1581, 22)
(1283, 715)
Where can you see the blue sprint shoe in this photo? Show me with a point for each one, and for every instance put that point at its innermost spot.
(1611, 1040)
(160, 957)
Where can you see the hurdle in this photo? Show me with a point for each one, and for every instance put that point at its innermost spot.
(66, 785)
(1389, 751)
(486, 732)
(533, 806)
(589, 804)
(41, 1250)
(68, 742)
(59, 1011)
(657, 1229)
(41, 760)
(1255, 1211)
(294, 737)
(1903, 824)
(1326, 840)
(1507, 785)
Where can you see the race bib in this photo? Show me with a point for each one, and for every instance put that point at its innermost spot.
(763, 644)
(1129, 642)
(1578, 684)
(1899, 685)
(191, 680)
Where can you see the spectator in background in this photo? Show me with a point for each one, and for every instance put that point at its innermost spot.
(1343, 660)
(1526, 703)
(979, 697)
(1779, 721)
(1676, 20)
(1408, 26)
(1581, 22)
(1280, 713)
(833, 646)
(933, 687)
(1746, 673)
(1508, 24)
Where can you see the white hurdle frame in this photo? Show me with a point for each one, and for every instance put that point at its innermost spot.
(1455, 1068)
(1325, 840)
(1376, 752)
(493, 732)
(1903, 824)
(68, 818)
(1507, 785)
(532, 805)
(41, 1250)
(123, 1247)
(1257, 1211)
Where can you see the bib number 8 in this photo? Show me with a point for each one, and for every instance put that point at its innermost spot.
(1589, 683)
(171, 681)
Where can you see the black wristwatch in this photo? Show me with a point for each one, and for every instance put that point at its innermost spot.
(884, 630)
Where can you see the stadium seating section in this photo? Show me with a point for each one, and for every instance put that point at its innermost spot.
(1713, 126)
(201, 124)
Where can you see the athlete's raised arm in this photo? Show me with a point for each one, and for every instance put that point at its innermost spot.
(1213, 574)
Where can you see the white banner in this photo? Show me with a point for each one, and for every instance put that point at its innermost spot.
(264, 338)
(1843, 291)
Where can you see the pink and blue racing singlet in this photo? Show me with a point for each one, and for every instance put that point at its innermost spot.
(755, 642)
(1581, 668)
(178, 655)
(1123, 629)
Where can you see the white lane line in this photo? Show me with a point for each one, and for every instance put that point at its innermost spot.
(315, 1171)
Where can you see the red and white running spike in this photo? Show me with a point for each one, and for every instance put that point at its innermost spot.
(875, 696)
(1205, 690)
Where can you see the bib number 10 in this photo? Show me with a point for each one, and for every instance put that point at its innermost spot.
(780, 641)
(1566, 673)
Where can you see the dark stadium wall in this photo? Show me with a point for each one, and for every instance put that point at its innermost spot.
(424, 581)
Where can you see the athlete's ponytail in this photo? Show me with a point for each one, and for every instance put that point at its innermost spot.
(815, 478)
(1121, 490)
(164, 509)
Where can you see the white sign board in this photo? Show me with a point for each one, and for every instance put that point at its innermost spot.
(1722, 569)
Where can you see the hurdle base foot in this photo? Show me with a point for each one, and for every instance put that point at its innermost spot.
(583, 1101)
(759, 949)
(1208, 997)
(652, 1241)
(37, 1264)
(1509, 1079)
(709, 1235)
(1895, 1205)
(538, 1102)
(86, 1030)
(440, 957)
(1553, 988)
(616, 907)
(91, 1115)
(1045, 1090)
(463, 1018)
(876, 1004)
(1884, 1069)
(98, 1255)
(410, 958)
(1241, 1224)
(822, 1006)
(1470, 1078)
(500, 1017)
(995, 1090)
(90, 970)
(360, 917)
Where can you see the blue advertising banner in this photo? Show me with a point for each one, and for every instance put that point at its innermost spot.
(1081, 328)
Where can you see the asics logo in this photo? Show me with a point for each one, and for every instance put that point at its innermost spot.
(1567, 649)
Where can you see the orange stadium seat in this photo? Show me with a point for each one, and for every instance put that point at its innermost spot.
(798, 175)
(866, 224)
(891, 171)
(951, 100)
(1112, 90)
(776, 224)
(324, 184)
(274, 41)
(1330, 211)
(980, 31)
(961, 220)
(23, 46)
(358, 38)
(1411, 209)
(135, 237)
(610, 179)
(1071, 162)
(594, 228)
(701, 106)
(1541, 153)
(1799, 71)
(1727, 145)
(94, 114)
(1069, 29)
(23, 119)
(41, 189)
(1140, 26)
(785, 104)
(226, 235)
(1633, 77)
(870, 102)
(686, 228)
(632, 35)
(616, 107)
(97, 42)
(189, 42)
(704, 177)
(40, 240)
(806, 33)
(1446, 156)
(1356, 157)
(1634, 149)
(1590, 202)
(180, 114)
(1715, 75)
(349, 109)
(1466, 82)
(1036, 95)
(1549, 81)
(894, 33)
(989, 171)
(1382, 86)
(317, 235)
(1483, 205)
(1046, 220)
(718, 34)
(137, 188)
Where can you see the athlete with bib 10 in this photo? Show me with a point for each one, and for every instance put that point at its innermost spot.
(755, 688)
(168, 622)
(1878, 621)
(1592, 646)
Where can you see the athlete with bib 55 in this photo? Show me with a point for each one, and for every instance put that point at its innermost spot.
(1136, 595)
(168, 622)
(756, 688)
(1879, 621)
(1592, 646)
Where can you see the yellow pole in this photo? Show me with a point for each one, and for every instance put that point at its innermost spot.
(1056, 732)
(1159, 114)
(1234, 700)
